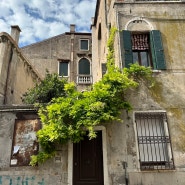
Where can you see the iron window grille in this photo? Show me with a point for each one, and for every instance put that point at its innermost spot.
(154, 144)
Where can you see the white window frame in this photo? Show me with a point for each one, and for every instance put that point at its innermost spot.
(63, 61)
(81, 44)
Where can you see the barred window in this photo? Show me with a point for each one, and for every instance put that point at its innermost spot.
(154, 142)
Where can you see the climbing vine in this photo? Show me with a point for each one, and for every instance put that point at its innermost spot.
(69, 117)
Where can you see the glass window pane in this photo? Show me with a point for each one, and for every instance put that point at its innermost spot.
(144, 58)
(84, 45)
(63, 69)
(84, 67)
(135, 57)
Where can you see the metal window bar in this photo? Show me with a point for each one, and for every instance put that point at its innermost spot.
(153, 141)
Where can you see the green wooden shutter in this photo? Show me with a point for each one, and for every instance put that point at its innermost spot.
(63, 69)
(127, 46)
(156, 45)
(84, 67)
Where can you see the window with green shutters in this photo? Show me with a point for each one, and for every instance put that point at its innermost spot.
(64, 68)
(143, 47)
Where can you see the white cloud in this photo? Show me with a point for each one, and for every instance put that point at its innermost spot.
(41, 19)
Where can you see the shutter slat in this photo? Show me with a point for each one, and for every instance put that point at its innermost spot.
(127, 46)
(157, 50)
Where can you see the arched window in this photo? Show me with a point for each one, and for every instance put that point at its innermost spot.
(84, 67)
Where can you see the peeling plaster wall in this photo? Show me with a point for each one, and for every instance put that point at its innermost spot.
(53, 172)
(16, 74)
(46, 54)
(167, 94)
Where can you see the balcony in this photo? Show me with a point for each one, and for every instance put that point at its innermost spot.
(84, 79)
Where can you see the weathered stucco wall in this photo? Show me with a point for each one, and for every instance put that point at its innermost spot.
(47, 54)
(166, 95)
(99, 39)
(44, 55)
(17, 74)
(52, 172)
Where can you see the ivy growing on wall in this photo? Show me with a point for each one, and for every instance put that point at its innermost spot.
(67, 118)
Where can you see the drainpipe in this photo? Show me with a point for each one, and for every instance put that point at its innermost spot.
(126, 174)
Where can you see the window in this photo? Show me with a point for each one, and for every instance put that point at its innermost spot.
(84, 67)
(153, 139)
(103, 68)
(84, 72)
(84, 44)
(99, 31)
(64, 68)
(144, 48)
(140, 49)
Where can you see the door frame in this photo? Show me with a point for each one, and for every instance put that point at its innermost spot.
(105, 166)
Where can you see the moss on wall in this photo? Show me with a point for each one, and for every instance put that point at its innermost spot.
(156, 92)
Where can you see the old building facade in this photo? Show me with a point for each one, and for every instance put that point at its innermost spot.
(68, 55)
(17, 74)
(147, 148)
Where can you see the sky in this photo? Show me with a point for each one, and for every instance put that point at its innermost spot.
(42, 19)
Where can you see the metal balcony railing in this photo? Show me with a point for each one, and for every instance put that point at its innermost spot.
(84, 79)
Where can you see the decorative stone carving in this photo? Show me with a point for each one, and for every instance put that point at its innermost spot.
(138, 23)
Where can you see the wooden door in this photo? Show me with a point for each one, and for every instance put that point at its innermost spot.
(88, 161)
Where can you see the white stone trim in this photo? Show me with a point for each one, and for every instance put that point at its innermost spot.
(105, 161)
(139, 19)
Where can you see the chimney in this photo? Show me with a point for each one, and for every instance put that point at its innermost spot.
(72, 28)
(15, 32)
